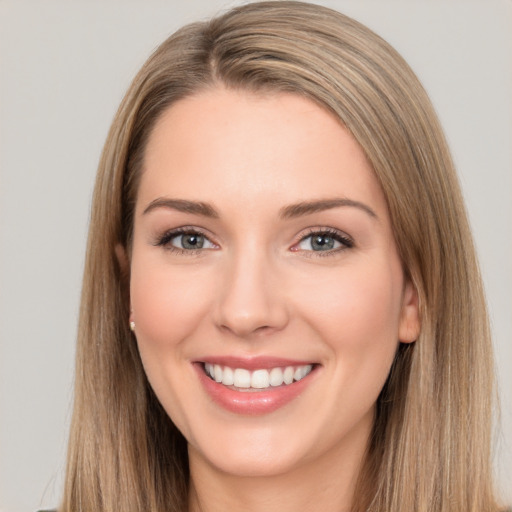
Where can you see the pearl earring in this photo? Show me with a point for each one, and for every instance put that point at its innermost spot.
(132, 326)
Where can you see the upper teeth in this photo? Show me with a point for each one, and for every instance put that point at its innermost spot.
(258, 379)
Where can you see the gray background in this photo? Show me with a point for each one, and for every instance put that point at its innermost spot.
(64, 66)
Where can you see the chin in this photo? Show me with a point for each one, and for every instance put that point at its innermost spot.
(247, 462)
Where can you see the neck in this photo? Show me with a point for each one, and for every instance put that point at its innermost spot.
(324, 485)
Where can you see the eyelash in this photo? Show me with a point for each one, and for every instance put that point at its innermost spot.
(165, 240)
(338, 236)
(345, 241)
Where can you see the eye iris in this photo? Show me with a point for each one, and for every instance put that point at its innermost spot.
(192, 241)
(322, 242)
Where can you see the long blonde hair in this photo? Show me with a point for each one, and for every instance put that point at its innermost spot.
(430, 448)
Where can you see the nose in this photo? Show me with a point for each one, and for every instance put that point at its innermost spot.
(251, 301)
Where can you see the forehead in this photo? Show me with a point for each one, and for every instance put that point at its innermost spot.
(238, 147)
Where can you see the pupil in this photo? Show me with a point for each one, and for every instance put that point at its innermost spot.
(192, 241)
(322, 242)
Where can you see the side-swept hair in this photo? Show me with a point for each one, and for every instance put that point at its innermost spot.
(430, 447)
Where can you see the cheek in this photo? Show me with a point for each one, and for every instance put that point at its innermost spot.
(357, 313)
(357, 320)
(167, 302)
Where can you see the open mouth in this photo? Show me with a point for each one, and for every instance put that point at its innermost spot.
(242, 379)
(255, 386)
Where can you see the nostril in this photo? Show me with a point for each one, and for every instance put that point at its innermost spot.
(263, 328)
(246, 304)
(247, 330)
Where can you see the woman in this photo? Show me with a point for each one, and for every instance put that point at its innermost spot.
(271, 313)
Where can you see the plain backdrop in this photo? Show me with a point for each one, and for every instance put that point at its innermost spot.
(64, 66)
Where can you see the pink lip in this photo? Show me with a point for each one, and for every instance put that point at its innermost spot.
(253, 363)
(252, 402)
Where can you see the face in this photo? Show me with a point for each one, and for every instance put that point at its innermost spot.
(266, 288)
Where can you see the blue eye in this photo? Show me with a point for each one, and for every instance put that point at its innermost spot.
(324, 241)
(185, 241)
(189, 241)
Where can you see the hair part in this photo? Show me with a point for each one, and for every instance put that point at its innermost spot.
(430, 447)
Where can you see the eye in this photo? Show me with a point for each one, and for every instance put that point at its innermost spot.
(324, 241)
(185, 241)
(191, 241)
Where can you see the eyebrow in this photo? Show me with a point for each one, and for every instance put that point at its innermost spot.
(287, 212)
(182, 205)
(308, 207)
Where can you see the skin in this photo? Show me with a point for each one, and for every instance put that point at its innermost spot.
(257, 287)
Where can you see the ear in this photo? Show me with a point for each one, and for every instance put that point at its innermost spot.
(124, 270)
(409, 327)
(122, 260)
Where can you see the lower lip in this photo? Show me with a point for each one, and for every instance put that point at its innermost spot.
(252, 402)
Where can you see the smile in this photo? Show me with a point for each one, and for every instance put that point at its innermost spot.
(255, 386)
(246, 380)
